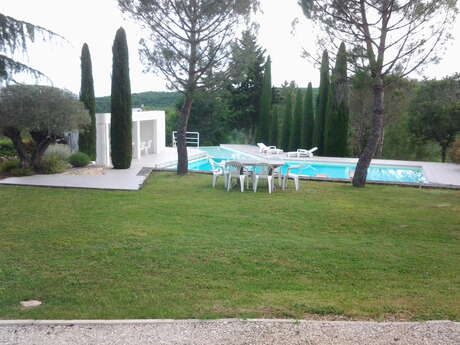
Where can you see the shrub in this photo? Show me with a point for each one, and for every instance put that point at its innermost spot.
(79, 159)
(7, 166)
(455, 152)
(60, 151)
(53, 164)
(18, 172)
(7, 148)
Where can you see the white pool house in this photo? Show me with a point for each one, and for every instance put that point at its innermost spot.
(148, 133)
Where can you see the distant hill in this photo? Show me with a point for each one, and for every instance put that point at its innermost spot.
(148, 99)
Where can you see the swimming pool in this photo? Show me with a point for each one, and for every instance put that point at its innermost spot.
(317, 169)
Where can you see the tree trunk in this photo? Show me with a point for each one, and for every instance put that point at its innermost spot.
(39, 152)
(15, 136)
(443, 153)
(359, 179)
(379, 152)
(182, 156)
(42, 141)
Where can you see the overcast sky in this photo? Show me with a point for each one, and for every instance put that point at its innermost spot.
(96, 21)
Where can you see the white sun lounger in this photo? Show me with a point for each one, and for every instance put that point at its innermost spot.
(268, 149)
(302, 153)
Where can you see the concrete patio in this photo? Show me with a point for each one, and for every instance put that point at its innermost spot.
(112, 179)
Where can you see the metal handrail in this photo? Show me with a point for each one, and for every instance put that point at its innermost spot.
(192, 138)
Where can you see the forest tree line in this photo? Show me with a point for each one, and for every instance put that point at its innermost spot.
(299, 117)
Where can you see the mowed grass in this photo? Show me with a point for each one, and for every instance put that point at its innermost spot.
(180, 249)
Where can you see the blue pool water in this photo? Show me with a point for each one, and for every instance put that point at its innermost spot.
(329, 170)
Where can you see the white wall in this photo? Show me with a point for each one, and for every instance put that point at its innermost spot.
(152, 127)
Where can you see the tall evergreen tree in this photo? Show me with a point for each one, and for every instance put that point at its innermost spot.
(87, 138)
(274, 127)
(263, 130)
(286, 129)
(295, 139)
(245, 82)
(121, 126)
(336, 129)
(308, 122)
(321, 111)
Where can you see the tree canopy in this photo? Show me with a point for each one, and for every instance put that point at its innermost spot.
(15, 36)
(42, 111)
(384, 37)
(434, 113)
(189, 43)
(87, 138)
(245, 82)
(121, 106)
(336, 126)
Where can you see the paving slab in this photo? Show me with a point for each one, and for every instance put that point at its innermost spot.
(112, 179)
(228, 332)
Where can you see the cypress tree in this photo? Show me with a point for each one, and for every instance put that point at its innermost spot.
(308, 119)
(121, 123)
(285, 135)
(321, 111)
(274, 127)
(263, 132)
(336, 133)
(296, 125)
(87, 138)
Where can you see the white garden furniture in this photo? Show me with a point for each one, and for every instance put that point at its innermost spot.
(235, 170)
(264, 172)
(146, 146)
(290, 175)
(268, 149)
(218, 169)
(302, 153)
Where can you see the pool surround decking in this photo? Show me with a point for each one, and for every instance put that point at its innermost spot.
(438, 175)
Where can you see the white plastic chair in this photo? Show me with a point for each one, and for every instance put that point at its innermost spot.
(266, 173)
(302, 153)
(235, 170)
(146, 146)
(218, 169)
(290, 175)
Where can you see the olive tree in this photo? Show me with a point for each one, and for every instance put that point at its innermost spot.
(188, 41)
(44, 112)
(384, 37)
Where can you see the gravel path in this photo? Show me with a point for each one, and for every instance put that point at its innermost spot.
(229, 332)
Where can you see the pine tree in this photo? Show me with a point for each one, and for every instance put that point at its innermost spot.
(321, 111)
(263, 130)
(308, 119)
(336, 131)
(296, 125)
(15, 37)
(87, 138)
(246, 79)
(285, 134)
(121, 126)
(274, 127)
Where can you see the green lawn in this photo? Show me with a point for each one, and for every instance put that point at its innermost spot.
(180, 249)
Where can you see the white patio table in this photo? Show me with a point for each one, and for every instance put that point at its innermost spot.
(254, 164)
